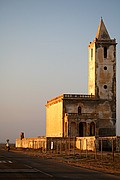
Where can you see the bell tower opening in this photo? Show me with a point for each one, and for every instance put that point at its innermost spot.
(102, 65)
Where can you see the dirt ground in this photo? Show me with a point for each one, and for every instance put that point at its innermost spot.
(104, 163)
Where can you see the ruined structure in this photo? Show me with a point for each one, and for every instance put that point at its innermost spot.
(77, 115)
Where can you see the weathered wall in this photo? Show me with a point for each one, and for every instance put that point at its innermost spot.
(105, 73)
(35, 143)
(91, 69)
(84, 143)
(87, 116)
(64, 144)
(101, 112)
(53, 143)
(54, 121)
(87, 105)
(102, 79)
(106, 123)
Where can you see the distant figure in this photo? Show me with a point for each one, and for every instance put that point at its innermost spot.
(7, 145)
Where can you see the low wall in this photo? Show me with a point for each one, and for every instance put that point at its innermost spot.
(60, 143)
(85, 143)
(46, 142)
(108, 143)
(35, 143)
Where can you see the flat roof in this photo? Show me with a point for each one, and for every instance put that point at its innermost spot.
(70, 96)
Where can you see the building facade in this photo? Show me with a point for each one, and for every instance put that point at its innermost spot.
(77, 115)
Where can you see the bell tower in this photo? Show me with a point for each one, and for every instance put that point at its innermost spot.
(102, 80)
(102, 65)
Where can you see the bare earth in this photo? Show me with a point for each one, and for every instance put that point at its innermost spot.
(104, 163)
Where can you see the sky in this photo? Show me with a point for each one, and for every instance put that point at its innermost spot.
(44, 53)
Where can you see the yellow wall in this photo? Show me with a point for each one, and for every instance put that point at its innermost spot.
(54, 122)
(34, 143)
(91, 70)
(86, 143)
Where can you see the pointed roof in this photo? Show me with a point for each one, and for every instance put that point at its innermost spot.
(102, 33)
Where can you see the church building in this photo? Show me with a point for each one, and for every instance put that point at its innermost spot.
(94, 114)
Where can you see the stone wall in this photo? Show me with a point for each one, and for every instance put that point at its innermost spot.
(81, 143)
(34, 143)
(86, 143)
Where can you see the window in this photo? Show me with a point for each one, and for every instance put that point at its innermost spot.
(105, 68)
(79, 110)
(91, 54)
(92, 129)
(105, 86)
(105, 52)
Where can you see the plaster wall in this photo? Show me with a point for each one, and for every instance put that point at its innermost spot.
(85, 143)
(91, 70)
(54, 121)
(101, 112)
(35, 143)
(105, 73)
(86, 106)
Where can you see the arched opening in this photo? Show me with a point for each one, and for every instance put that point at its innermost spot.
(79, 110)
(92, 129)
(105, 52)
(73, 129)
(82, 129)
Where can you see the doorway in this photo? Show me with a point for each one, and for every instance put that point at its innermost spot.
(82, 129)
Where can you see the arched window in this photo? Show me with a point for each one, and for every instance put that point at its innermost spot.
(92, 129)
(79, 110)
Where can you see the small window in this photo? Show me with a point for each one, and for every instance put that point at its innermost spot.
(105, 68)
(105, 86)
(92, 129)
(91, 54)
(105, 52)
(79, 110)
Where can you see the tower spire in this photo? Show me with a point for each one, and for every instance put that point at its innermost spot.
(102, 32)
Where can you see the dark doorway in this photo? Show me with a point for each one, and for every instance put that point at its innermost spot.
(82, 129)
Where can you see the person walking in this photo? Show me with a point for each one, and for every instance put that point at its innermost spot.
(8, 145)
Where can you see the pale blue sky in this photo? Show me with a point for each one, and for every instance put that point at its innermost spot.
(43, 53)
